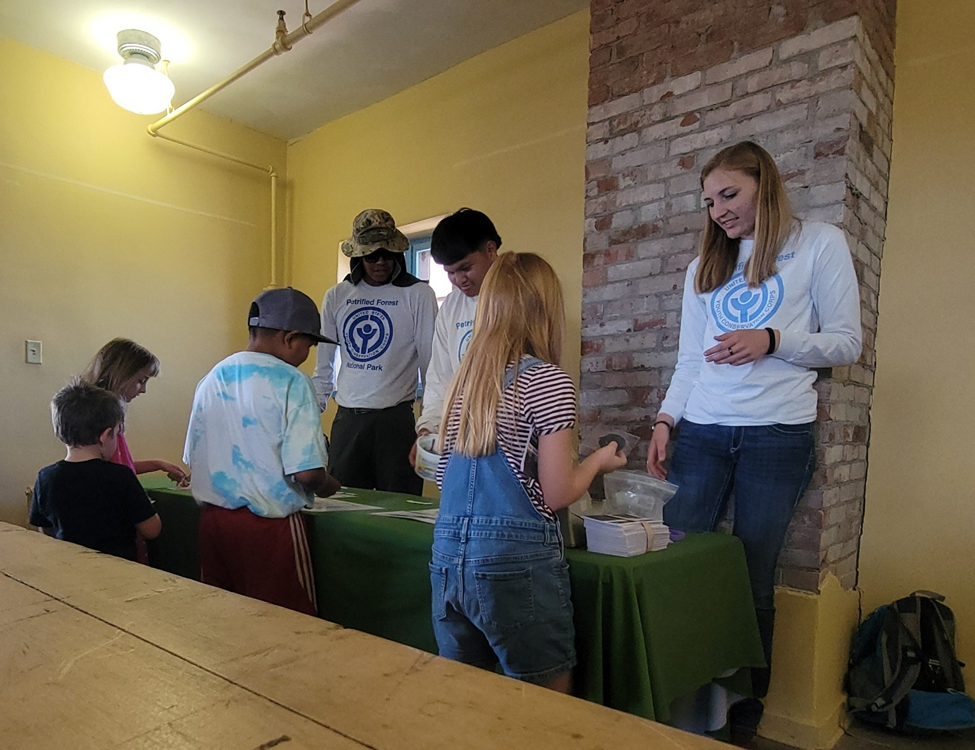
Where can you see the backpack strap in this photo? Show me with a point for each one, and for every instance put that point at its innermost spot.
(946, 647)
(929, 595)
(901, 666)
(925, 612)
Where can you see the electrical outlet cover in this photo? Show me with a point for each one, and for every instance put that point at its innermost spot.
(34, 354)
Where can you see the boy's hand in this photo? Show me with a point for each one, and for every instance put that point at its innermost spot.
(318, 482)
(412, 456)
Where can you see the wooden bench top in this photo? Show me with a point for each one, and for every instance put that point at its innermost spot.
(98, 652)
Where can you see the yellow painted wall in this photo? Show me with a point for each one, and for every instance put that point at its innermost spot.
(806, 706)
(107, 232)
(503, 132)
(919, 524)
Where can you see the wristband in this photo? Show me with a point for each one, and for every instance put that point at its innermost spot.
(771, 341)
(662, 421)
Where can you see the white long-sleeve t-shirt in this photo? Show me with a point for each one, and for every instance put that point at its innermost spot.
(813, 301)
(384, 334)
(452, 335)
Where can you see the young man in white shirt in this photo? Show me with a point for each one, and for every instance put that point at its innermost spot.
(466, 245)
(383, 319)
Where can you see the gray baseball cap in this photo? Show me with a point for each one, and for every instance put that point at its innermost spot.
(287, 310)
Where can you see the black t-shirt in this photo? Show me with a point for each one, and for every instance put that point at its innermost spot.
(93, 503)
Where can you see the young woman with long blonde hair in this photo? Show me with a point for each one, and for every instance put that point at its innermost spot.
(500, 582)
(768, 298)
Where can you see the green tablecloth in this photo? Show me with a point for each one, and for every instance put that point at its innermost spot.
(649, 629)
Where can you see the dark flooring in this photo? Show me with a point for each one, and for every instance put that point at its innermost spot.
(860, 737)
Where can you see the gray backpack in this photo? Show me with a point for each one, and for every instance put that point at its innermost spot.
(903, 670)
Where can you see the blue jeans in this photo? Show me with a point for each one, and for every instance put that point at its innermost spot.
(767, 468)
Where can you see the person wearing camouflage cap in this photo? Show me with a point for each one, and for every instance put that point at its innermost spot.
(374, 229)
(383, 318)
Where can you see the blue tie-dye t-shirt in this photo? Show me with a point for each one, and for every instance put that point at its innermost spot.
(255, 423)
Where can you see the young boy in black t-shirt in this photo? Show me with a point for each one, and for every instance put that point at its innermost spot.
(85, 499)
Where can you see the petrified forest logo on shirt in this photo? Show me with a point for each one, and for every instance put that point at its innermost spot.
(465, 341)
(367, 333)
(736, 305)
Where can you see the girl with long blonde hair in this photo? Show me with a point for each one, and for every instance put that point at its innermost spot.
(768, 298)
(500, 582)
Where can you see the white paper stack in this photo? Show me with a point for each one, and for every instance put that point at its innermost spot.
(625, 536)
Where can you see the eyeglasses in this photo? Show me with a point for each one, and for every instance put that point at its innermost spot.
(379, 255)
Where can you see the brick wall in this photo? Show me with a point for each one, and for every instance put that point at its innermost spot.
(671, 83)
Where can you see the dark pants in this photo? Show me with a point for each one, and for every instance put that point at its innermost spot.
(767, 468)
(370, 449)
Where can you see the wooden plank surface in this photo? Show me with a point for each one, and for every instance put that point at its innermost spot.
(69, 680)
(119, 655)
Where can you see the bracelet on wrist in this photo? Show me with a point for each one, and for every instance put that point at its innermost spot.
(662, 421)
(771, 341)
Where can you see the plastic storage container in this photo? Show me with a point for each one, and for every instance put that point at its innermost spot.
(636, 493)
(427, 459)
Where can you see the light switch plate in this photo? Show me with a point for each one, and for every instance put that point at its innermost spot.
(33, 355)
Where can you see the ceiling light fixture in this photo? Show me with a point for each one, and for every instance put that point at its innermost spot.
(135, 84)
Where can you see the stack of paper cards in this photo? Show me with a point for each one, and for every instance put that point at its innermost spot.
(625, 536)
(424, 515)
(332, 504)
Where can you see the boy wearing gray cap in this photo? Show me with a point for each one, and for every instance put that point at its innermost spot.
(383, 318)
(258, 456)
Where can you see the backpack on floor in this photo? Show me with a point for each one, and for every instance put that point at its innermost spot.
(903, 671)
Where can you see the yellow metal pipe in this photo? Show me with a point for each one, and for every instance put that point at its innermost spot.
(220, 86)
(271, 172)
(260, 167)
(282, 43)
(274, 228)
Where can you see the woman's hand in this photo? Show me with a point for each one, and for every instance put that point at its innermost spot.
(738, 347)
(657, 452)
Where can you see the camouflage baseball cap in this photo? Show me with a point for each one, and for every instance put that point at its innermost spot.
(372, 230)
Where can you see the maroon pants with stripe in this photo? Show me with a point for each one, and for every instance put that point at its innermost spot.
(263, 558)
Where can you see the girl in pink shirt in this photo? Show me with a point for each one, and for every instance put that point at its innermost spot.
(123, 367)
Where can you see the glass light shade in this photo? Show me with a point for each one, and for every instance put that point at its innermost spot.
(137, 86)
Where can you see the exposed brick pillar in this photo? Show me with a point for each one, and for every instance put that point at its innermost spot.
(673, 81)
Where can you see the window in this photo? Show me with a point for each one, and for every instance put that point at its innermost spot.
(421, 264)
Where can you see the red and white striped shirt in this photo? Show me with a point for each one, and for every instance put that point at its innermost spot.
(541, 401)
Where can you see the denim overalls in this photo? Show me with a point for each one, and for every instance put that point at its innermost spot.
(499, 578)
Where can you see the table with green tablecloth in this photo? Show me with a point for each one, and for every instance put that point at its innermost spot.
(649, 629)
